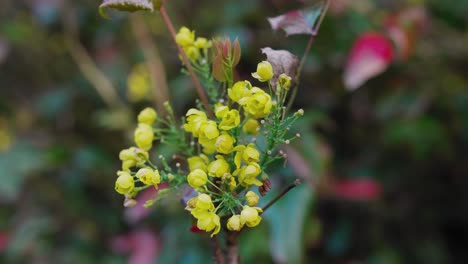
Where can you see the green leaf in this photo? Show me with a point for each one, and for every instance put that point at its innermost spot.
(125, 5)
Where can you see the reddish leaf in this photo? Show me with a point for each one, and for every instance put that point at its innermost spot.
(282, 61)
(370, 55)
(3, 241)
(142, 245)
(357, 189)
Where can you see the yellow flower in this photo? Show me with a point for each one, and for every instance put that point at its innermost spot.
(208, 130)
(220, 110)
(193, 53)
(219, 167)
(185, 37)
(230, 120)
(264, 71)
(202, 43)
(144, 136)
(284, 81)
(132, 157)
(234, 223)
(149, 176)
(209, 146)
(198, 162)
(247, 153)
(147, 116)
(259, 104)
(232, 184)
(197, 178)
(247, 174)
(225, 143)
(239, 91)
(195, 119)
(250, 216)
(139, 83)
(251, 127)
(252, 198)
(124, 183)
(209, 221)
(204, 202)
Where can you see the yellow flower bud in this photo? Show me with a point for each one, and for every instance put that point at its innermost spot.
(124, 183)
(247, 174)
(195, 119)
(250, 216)
(132, 156)
(193, 53)
(230, 120)
(264, 71)
(234, 223)
(197, 178)
(208, 130)
(259, 104)
(204, 202)
(198, 162)
(147, 116)
(202, 43)
(225, 143)
(251, 127)
(252, 198)
(220, 110)
(284, 81)
(247, 153)
(185, 37)
(239, 91)
(144, 136)
(209, 221)
(139, 83)
(218, 167)
(149, 176)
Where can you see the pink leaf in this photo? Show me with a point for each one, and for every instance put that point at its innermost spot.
(142, 244)
(370, 55)
(357, 189)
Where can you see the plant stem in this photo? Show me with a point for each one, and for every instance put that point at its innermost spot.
(218, 257)
(296, 183)
(187, 63)
(232, 248)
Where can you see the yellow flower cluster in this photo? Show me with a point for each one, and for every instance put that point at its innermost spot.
(192, 46)
(203, 209)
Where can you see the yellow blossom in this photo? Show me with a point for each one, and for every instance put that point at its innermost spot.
(144, 136)
(198, 162)
(202, 43)
(239, 91)
(218, 167)
(132, 157)
(185, 37)
(193, 53)
(264, 71)
(124, 183)
(197, 178)
(209, 146)
(252, 198)
(204, 202)
(247, 153)
(149, 176)
(284, 81)
(259, 104)
(234, 223)
(139, 83)
(208, 130)
(147, 116)
(250, 216)
(251, 127)
(220, 110)
(195, 119)
(209, 221)
(247, 174)
(225, 143)
(230, 120)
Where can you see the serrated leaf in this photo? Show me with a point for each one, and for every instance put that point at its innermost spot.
(305, 21)
(125, 5)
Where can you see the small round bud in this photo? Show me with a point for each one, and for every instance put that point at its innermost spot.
(287, 141)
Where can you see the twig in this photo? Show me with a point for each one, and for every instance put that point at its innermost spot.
(232, 249)
(153, 60)
(218, 257)
(296, 183)
(187, 64)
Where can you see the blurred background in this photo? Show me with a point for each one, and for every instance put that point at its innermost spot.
(383, 150)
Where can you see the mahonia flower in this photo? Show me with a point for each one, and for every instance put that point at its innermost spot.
(234, 223)
(144, 136)
(124, 183)
(202, 43)
(198, 162)
(209, 221)
(247, 174)
(225, 143)
(247, 153)
(149, 176)
(193, 53)
(185, 37)
(240, 91)
(259, 104)
(197, 178)
(208, 131)
(250, 216)
(251, 127)
(252, 198)
(132, 157)
(195, 119)
(230, 120)
(219, 167)
(284, 81)
(147, 116)
(264, 71)
(220, 110)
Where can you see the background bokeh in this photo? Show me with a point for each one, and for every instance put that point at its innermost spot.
(385, 166)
